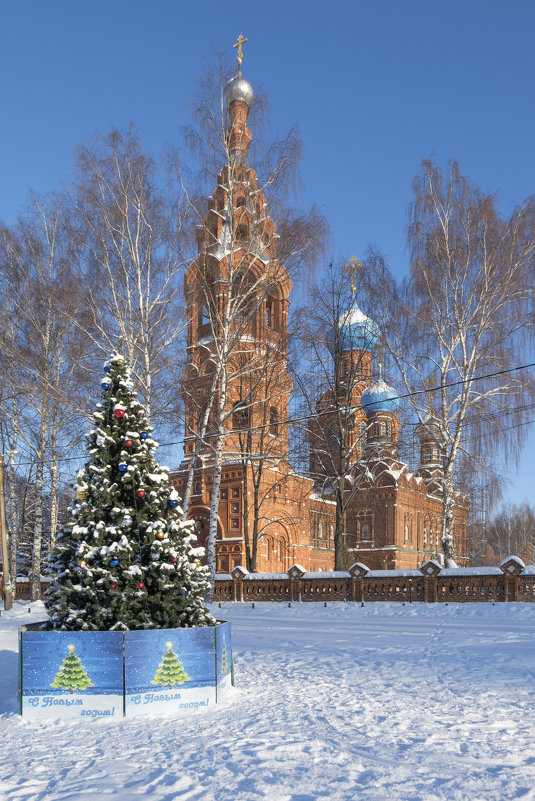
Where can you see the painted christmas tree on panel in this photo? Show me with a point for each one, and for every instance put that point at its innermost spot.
(125, 560)
(170, 672)
(71, 675)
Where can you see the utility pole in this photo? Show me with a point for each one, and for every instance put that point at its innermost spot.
(6, 580)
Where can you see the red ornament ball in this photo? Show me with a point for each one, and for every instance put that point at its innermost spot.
(140, 585)
(140, 493)
(175, 560)
(113, 586)
(128, 443)
(119, 413)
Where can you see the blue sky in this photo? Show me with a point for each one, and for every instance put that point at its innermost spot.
(373, 87)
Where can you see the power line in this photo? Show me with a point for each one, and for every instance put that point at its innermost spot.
(350, 410)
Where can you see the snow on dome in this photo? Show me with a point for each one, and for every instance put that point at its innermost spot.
(380, 398)
(355, 331)
(239, 89)
(429, 429)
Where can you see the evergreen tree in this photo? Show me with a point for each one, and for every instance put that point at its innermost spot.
(71, 675)
(170, 671)
(125, 560)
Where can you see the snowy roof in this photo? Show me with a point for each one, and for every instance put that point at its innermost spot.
(459, 572)
(394, 574)
(264, 576)
(516, 559)
(529, 570)
(327, 574)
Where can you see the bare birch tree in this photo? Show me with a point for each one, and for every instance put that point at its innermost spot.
(131, 236)
(42, 355)
(458, 325)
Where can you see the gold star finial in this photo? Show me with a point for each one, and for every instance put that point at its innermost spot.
(351, 267)
(239, 43)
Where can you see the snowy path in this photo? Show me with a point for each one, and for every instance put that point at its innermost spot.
(416, 703)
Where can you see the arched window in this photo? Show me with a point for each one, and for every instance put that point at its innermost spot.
(204, 316)
(240, 416)
(269, 313)
(273, 421)
(242, 233)
(240, 201)
(365, 531)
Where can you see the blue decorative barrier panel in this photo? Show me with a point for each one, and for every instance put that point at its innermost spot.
(71, 674)
(224, 664)
(95, 674)
(167, 670)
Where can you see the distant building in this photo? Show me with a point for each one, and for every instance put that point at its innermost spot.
(394, 518)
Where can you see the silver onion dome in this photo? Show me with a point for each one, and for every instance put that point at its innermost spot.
(239, 89)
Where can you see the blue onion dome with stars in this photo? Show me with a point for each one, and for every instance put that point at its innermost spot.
(380, 397)
(355, 332)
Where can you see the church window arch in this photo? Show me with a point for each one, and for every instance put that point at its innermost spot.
(203, 313)
(240, 416)
(273, 421)
(242, 233)
(269, 312)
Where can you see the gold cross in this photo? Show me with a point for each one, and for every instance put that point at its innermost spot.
(351, 267)
(241, 40)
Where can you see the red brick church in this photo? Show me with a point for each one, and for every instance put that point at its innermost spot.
(394, 518)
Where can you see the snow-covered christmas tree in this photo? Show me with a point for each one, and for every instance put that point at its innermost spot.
(125, 560)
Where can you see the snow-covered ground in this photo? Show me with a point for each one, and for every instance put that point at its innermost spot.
(416, 703)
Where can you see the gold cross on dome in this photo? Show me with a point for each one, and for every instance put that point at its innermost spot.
(351, 267)
(239, 43)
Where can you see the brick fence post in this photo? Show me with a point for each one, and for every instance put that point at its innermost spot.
(430, 571)
(511, 568)
(357, 572)
(238, 574)
(295, 574)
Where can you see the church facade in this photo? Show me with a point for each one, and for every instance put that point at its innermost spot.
(269, 517)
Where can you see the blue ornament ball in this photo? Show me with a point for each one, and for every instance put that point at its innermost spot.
(107, 369)
(105, 385)
(114, 563)
(123, 467)
(144, 435)
(173, 503)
